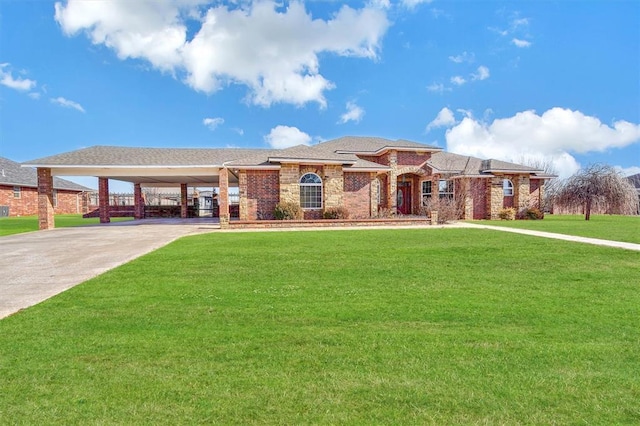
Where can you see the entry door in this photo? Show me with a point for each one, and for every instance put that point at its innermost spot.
(404, 197)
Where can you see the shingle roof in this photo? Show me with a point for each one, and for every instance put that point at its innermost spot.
(11, 173)
(472, 166)
(127, 156)
(365, 144)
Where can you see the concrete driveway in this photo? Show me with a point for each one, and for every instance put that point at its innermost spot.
(37, 265)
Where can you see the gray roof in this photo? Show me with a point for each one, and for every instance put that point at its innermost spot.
(11, 173)
(372, 145)
(127, 156)
(471, 166)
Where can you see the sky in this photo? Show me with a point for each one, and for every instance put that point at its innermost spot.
(536, 82)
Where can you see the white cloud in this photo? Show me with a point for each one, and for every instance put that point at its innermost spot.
(628, 171)
(463, 57)
(555, 135)
(238, 130)
(67, 103)
(411, 4)
(354, 113)
(17, 83)
(482, 73)
(272, 50)
(34, 95)
(284, 137)
(438, 88)
(458, 80)
(212, 123)
(520, 43)
(444, 118)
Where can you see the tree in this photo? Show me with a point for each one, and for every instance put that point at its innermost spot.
(596, 185)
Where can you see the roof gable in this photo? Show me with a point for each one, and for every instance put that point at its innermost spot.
(11, 173)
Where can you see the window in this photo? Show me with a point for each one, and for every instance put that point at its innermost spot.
(445, 189)
(426, 192)
(16, 192)
(55, 198)
(507, 188)
(311, 191)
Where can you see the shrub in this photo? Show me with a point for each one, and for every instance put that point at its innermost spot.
(384, 213)
(531, 213)
(336, 213)
(508, 213)
(449, 209)
(288, 211)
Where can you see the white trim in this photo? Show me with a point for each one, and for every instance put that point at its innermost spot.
(313, 161)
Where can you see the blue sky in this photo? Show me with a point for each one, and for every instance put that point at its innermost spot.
(520, 81)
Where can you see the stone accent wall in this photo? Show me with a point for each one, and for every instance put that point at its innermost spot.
(374, 188)
(45, 199)
(358, 194)
(392, 199)
(521, 190)
(333, 186)
(289, 176)
(259, 194)
(495, 200)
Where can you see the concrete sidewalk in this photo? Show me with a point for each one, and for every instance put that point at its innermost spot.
(38, 265)
(595, 241)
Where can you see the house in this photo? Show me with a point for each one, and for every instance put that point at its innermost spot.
(19, 192)
(364, 175)
(635, 181)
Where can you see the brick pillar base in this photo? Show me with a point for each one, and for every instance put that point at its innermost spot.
(223, 198)
(45, 199)
(183, 200)
(138, 202)
(103, 202)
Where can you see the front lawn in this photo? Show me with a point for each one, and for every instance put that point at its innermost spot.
(607, 227)
(431, 326)
(17, 225)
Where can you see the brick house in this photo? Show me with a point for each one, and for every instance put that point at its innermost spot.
(364, 175)
(19, 192)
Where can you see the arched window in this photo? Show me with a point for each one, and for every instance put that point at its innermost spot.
(311, 191)
(507, 188)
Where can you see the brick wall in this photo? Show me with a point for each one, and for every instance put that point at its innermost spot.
(412, 158)
(357, 191)
(69, 202)
(260, 189)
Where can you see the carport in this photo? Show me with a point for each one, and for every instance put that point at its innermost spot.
(149, 167)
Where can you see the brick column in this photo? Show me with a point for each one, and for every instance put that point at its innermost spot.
(333, 186)
(495, 199)
(392, 195)
(521, 188)
(138, 202)
(103, 199)
(289, 183)
(374, 188)
(183, 200)
(223, 198)
(243, 194)
(45, 199)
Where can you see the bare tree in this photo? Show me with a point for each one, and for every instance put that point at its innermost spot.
(597, 184)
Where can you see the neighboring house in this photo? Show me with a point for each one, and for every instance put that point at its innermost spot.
(364, 175)
(19, 192)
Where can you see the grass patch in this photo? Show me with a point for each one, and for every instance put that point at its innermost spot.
(607, 227)
(17, 225)
(452, 326)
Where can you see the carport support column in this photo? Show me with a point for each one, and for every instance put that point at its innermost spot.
(223, 198)
(138, 202)
(183, 200)
(45, 199)
(103, 199)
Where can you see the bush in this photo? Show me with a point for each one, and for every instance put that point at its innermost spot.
(530, 214)
(336, 213)
(288, 211)
(449, 209)
(507, 213)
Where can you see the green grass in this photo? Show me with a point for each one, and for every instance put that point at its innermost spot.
(451, 326)
(17, 225)
(608, 227)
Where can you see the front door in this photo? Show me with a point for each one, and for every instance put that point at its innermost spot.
(404, 197)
